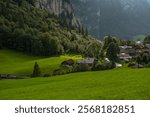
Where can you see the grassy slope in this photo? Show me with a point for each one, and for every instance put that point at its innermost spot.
(113, 84)
(18, 63)
(121, 83)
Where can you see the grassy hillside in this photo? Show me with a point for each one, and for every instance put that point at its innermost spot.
(114, 84)
(17, 63)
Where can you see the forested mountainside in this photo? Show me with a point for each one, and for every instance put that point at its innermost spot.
(122, 18)
(43, 28)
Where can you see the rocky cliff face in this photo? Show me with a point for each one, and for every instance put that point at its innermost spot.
(123, 18)
(60, 8)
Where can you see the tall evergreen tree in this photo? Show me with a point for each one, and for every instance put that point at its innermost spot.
(145, 58)
(79, 28)
(147, 40)
(36, 70)
(138, 60)
(82, 30)
(86, 32)
(112, 52)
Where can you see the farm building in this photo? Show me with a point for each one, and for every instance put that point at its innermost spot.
(89, 61)
(127, 49)
(68, 63)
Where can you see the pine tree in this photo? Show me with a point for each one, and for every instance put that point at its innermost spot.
(36, 71)
(86, 32)
(145, 58)
(112, 52)
(79, 28)
(138, 60)
(82, 30)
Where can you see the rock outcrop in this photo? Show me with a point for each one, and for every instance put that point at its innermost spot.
(60, 8)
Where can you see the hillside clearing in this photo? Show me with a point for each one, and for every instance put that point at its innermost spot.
(17, 63)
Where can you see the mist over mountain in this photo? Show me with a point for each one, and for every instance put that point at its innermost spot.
(122, 18)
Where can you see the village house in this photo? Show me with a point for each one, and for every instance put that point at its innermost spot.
(89, 61)
(125, 57)
(127, 50)
(127, 53)
(142, 49)
(68, 63)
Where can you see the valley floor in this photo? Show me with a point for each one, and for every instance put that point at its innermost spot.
(117, 84)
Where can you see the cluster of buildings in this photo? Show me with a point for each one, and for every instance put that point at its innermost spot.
(70, 62)
(128, 53)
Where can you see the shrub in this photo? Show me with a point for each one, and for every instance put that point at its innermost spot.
(82, 67)
(131, 64)
(147, 65)
(36, 70)
(46, 75)
(101, 67)
(59, 72)
(105, 66)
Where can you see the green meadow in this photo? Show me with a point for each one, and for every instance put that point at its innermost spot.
(17, 63)
(117, 84)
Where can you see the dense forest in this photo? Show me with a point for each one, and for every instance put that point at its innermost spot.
(28, 29)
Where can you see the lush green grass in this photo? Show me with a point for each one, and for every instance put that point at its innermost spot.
(122, 83)
(17, 63)
(113, 84)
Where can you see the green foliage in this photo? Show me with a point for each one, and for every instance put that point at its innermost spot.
(138, 60)
(59, 72)
(112, 51)
(25, 28)
(24, 63)
(82, 67)
(147, 40)
(94, 49)
(130, 43)
(108, 40)
(147, 65)
(36, 70)
(86, 32)
(145, 58)
(104, 66)
(120, 84)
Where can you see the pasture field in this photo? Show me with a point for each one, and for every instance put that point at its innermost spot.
(12, 62)
(118, 84)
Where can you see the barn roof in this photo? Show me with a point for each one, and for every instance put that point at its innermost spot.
(87, 60)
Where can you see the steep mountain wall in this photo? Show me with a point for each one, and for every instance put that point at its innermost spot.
(61, 8)
(123, 18)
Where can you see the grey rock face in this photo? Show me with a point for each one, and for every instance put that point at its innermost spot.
(123, 18)
(60, 8)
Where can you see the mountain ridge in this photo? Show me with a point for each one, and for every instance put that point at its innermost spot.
(61, 8)
(122, 18)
